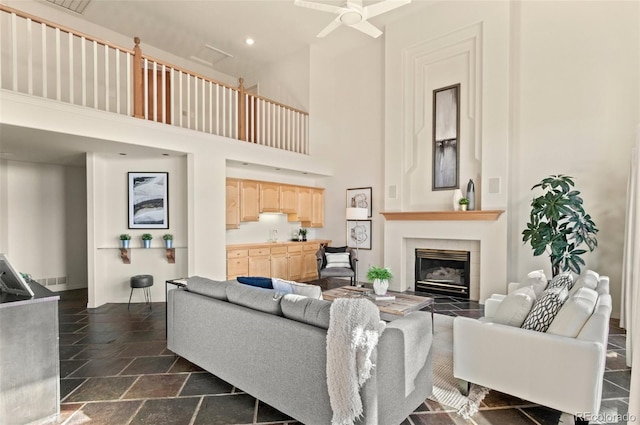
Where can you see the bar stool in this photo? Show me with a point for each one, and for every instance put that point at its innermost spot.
(144, 281)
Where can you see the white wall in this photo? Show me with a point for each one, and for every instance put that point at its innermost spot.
(347, 128)
(576, 107)
(45, 212)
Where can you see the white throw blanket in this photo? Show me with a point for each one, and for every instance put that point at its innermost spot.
(354, 328)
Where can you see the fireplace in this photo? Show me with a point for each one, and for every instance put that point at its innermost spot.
(443, 272)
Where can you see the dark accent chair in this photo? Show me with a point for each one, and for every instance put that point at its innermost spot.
(324, 272)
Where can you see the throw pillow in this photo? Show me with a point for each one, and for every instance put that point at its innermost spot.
(306, 310)
(545, 309)
(562, 280)
(291, 287)
(338, 259)
(574, 313)
(536, 280)
(515, 308)
(331, 250)
(208, 287)
(260, 282)
(261, 299)
(588, 279)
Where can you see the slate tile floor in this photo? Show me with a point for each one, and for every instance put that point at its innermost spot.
(115, 370)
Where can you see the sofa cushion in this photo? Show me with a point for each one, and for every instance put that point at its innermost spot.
(260, 282)
(306, 310)
(515, 307)
(574, 313)
(589, 279)
(338, 259)
(536, 280)
(545, 309)
(207, 287)
(261, 299)
(561, 280)
(291, 287)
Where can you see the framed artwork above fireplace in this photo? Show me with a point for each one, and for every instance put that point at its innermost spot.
(446, 138)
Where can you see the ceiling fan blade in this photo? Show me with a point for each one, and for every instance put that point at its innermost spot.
(333, 25)
(318, 6)
(383, 7)
(367, 28)
(357, 3)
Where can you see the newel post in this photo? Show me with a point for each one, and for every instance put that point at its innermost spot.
(242, 116)
(138, 89)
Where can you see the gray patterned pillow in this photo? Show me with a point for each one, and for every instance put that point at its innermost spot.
(562, 280)
(545, 309)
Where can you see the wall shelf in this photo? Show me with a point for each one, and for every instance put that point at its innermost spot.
(170, 253)
(485, 215)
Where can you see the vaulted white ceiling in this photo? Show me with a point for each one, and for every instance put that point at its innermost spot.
(185, 27)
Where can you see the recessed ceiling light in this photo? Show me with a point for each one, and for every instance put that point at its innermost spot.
(245, 163)
(249, 41)
(165, 154)
(123, 154)
(277, 169)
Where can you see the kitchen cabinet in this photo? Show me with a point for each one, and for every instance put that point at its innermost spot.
(249, 200)
(269, 197)
(288, 199)
(233, 203)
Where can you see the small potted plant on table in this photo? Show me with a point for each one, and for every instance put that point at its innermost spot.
(464, 203)
(380, 277)
(125, 239)
(303, 233)
(146, 240)
(168, 240)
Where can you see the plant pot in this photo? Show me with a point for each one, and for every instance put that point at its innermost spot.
(125, 243)
(463, 207)
(146, 243)
(168, 243)
(380, 286)
(304, 238)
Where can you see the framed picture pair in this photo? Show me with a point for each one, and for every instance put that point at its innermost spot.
(359, 231)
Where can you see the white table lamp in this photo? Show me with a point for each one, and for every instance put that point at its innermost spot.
(356, 214)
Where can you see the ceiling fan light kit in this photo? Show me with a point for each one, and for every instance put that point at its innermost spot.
(353, 14)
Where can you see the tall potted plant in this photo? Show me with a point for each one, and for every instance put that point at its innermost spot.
(559, 225)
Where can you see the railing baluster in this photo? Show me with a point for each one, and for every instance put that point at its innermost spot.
(106, 78)
(196, 112)
(180, 96)
(172, 79)
(188, 101)
(118, 81)
(164, 94)
(58, 60)
(210, 84)
(71, 82)
(224, 107)
(14, 52)
(95, 74)
(129, 92)
(204, 108)
(43, 29)
(154, 101)
(84, 70)
(217, 109)
(29, 57)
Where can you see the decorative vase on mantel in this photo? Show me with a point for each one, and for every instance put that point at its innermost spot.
(380, 286)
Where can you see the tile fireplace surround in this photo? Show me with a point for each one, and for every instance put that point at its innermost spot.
(483, 233)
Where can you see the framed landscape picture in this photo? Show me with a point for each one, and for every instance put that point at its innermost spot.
(359, 234)
(148, 200)
(446, 130)
(360, 198)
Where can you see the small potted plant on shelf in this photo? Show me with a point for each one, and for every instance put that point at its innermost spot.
(125, 239)
(380, 277)
(303, 233)
(464, 203)
(168, 240)
(146, 240)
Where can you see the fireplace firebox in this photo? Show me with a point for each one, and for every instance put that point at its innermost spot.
(443, 272)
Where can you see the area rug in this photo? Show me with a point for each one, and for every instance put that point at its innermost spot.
(445, 386)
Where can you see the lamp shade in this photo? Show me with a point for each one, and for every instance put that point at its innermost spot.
(357, 213)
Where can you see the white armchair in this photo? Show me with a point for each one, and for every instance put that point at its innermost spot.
(561, 372)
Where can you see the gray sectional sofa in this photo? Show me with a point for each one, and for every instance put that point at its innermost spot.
(273, 346)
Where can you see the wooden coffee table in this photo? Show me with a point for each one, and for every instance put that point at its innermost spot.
(389, 309)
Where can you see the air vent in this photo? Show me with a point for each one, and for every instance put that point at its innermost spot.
(76, 6)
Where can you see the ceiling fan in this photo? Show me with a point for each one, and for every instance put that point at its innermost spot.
(353, 14)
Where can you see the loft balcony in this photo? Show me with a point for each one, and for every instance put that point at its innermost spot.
(43, 59)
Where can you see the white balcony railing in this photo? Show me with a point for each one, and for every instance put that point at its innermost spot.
(44, 59)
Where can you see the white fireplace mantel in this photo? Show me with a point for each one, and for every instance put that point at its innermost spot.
(488, 228)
